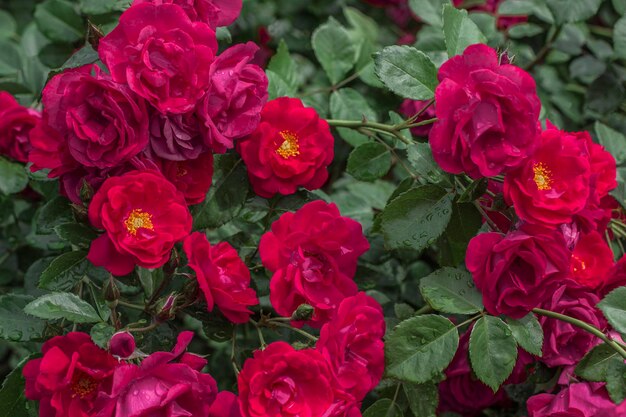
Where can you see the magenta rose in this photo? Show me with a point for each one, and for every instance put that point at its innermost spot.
(226, 404)
(232, 107)
(488, 115)
(215, 13)
(585, 399)
(162, 55)
(16, 122)
(176, 137)
(517, 272)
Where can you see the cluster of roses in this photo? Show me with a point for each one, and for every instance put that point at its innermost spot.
(554, 254)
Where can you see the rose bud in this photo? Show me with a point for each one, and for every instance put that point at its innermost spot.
(122, 345)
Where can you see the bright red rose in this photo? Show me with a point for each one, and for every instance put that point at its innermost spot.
(165, 384)
(553, 185)
(488, 115)
(282, 382)
(222, 276)
(193, 177)
(291, 148)
(410, 108)
(352, 343)
(517, 272)
(162, 55)
(215, 13)
(68, 377)
(143, 216)
(565, 344)
(176, 137)
(592, 260)
(313, 254)
(231, 109)
(226, 404)
(16, 123)
(585, 399)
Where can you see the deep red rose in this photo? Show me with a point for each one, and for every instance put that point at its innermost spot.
(162, 55)
(222, 276)
(165, 384)
(192, 177)
(122, 345)
(101, 123)
(143, 216)
(226, 404)
(565, 344)
(517, 272)
(49, 150)
(68, 377)
(291, 148)
(16, 123)
(616, 277)
(592, 260)
(176, 137)
(553, 185)
(313, 254)
(215, 13)
(585, 399)
(352, 343)
(282, 382)
(488, 115)
(231, 109)
(410, 108)
(603, 168)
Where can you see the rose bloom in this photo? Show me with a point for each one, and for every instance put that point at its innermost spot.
(291, 148)
(16, 123)
(410, 108)
(226, 404)
(90, 119)
(222, 276)
(161, 54)
(517, 272)
(585, 399)
(231, 109)
(215, 13)
(565, 344)
(280, 381)
(165, 384)
(488, 115)
(143, 216)
(554, 184)
(313, 254)
(603, 168)
(592, 260)
(615, 278)
(192, 177)
(68, 376)
(352, 343)
(122, 345)
(176, 137)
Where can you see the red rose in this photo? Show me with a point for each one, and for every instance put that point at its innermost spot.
(603, 168)
(215, 13)
(143, 216)
(615, 278)
(592, 260)
(281, 382)
(162, 55)
(122, 345)
(352, 343)
(410, 108)
(192, 177)
(231, 109)
(291, 148)
(517, 272)
(488, 115)
(226, 404)
(564, 343)
(49, 150)
(16, 123)
(586, 399)
(68, 377)
(313, 254)
(554, 184)
(176, 137)
(165, 384)
(222, 276)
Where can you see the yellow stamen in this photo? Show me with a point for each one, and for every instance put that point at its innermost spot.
(138, 219)
(290, 146)
(578, 264)
(542, 177)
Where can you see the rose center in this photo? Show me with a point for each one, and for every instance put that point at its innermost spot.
(83, 385)
(543, 176)
(290, 146)
(578, 264)
(138, 219)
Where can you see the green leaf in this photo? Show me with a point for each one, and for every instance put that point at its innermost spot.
(14, 324)
(465, 222)
(594, 365)
(101, 333)
(459, 30)
(423, 399)
(62, 305)
(612, 140)
(616, 379)
(619, 6)
(606, 93)
(12, 394)
(429, 10)
(76, 234)
(573, 10)
(349, 104)
(59, 21)
(614, 308)
(528, 333)
(277, 87)
(383, 408)
(8, 26)
(420, 157)
(474, 191)
(85, 55)
(13, 177)
(492, 351)
(284, 67)
(96, 7)
(416, 218)
(452, 291)
(407, 72)
(10, 58)
(65, 271)
(365, 26)
(369, 161)
(526, 8)
(334, 49)
(420, 348)
(55, 54)
(227, 195)
(55, 212)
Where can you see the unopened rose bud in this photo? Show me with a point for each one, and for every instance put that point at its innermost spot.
(111, 292)
(303, 312)
(122, 345)
(166, 312)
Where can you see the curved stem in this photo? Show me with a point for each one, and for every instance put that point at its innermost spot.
(260, 333)
(394, 130)
(295, 329)
(585, 326)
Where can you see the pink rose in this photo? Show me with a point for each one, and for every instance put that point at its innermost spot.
(16, 123)
(212, 12)
(578, 400)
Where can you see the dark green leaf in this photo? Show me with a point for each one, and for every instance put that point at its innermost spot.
(452, 291)
(528, 333)
(423, 399)
(12, 397)
(76, 234)
(383, 408)
(606, 93)
(14, 324)
(407, 72)
(594, 365)
(616, 379)
(620, 6)
(55, 55)
(612, 140)
(283, 65)
(349, 104)
(95, 7)
(55, 212)
(420, 157)
(429, 11)
(13, 177)
(459, 30)
(475, 190)
(334, 49)
(365, 26)
(8, 26)
(573, 10)
(62, 306)
(10, 58)
(101, 333)
(465, 222)
(614, 308)
(65, 271)
(85, 55)
(369, 161)
(59, 21)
